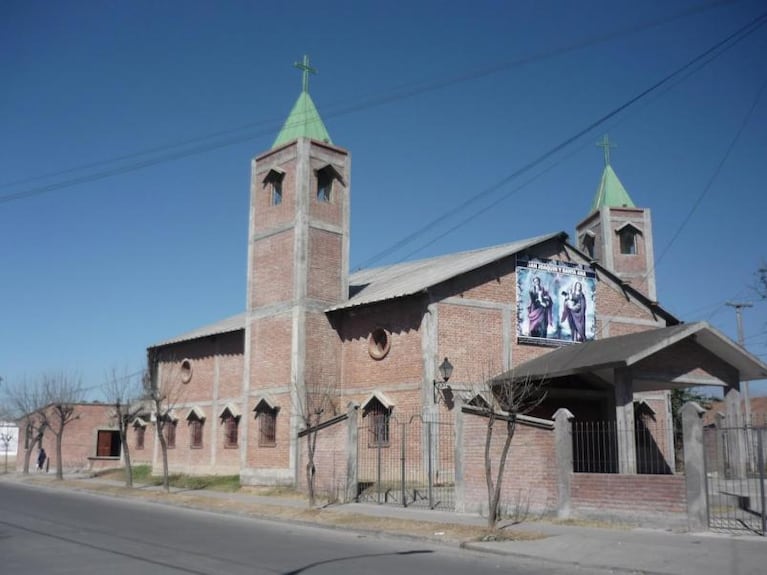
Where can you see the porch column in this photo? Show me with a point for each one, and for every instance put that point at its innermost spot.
(736, 445)
(694, 467)
(624, 419)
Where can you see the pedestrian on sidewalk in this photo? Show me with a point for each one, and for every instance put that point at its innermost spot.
(41, 457)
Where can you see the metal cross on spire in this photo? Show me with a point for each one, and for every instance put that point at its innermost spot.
(605, 144)
(306, 69)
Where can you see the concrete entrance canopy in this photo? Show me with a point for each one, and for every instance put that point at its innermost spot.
(658, 359)
(685, 355)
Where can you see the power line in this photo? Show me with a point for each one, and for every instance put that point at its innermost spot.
(710, 54)
(171, 152)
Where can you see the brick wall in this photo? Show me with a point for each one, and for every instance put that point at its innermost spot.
(79, 440)
(631, 497)
(330, 461)
(530, 481)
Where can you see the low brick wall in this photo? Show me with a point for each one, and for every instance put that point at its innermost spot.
(530, 480)
(636, 498)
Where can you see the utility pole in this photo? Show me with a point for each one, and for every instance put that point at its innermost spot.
(741, 341)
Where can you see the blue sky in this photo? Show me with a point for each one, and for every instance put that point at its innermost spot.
(128, 128)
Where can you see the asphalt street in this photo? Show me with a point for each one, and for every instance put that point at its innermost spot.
(60, 532)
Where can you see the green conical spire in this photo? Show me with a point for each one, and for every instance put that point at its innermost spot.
(303, 121)
(611, 192)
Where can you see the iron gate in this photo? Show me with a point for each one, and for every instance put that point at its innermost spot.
(406, 461)
(735, 472)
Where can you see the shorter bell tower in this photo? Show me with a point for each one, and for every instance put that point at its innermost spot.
(617, 234)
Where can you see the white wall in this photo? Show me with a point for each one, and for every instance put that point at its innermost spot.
(9, 430)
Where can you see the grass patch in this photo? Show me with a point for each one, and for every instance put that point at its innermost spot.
(142, 474)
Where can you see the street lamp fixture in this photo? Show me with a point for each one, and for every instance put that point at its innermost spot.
(445, 370)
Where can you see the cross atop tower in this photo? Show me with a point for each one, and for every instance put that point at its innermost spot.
(306, 69)
(605, 144)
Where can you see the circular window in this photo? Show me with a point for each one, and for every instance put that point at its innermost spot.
(379, 343)
(186, 371)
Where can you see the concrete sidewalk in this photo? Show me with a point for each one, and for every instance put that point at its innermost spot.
(619, 550)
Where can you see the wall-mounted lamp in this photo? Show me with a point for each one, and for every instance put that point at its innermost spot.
(445, 370)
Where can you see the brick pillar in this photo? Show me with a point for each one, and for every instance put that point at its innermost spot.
(694, 467)
(624, 418)
(563, 432)
(351, 451)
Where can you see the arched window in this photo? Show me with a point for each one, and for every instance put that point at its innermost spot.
(266, 414)
(377, 415)
(627, 236)
(196, 419)
(273, 185)
(230, 420)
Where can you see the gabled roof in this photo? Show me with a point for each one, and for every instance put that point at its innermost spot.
(611, 192)
(626, 350)
(399, 280)
(196, 413)
(303, 122)
(233, 323)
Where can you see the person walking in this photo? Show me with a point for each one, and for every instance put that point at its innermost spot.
(41, 457)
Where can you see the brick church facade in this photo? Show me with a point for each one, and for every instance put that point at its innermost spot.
(239, 392)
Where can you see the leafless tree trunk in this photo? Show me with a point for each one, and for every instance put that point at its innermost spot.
(314, 403)
(163, 386)
(124, 395)
(27, 406)
(62, 392)
(503, 400)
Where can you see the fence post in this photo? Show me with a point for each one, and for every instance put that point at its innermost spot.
(563, 438)
(352, 471)
(402, 464)
(460, 498)
(760, 475)
(694, 467)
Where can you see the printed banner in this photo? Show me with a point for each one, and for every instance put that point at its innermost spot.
(555, 302)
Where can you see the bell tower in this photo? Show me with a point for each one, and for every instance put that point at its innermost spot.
(298, 263)
(616, 233)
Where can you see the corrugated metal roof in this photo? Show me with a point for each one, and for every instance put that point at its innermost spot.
(399, 280)
(232, 323)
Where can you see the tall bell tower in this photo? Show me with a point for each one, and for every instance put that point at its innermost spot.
(298, 263)
(617, 234)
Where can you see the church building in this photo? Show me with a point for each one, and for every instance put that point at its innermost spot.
(416, 339)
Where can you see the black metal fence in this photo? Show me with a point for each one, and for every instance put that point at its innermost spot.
(736, 472)
(603, 447)
(406, 461)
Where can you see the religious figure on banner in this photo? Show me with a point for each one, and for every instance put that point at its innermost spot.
(539, 314)
(574, 311)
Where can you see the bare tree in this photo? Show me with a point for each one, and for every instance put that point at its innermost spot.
(26, 406)
(124, 394)
(314, 404)
(502, 400)
(61, 393)
(163, 386)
